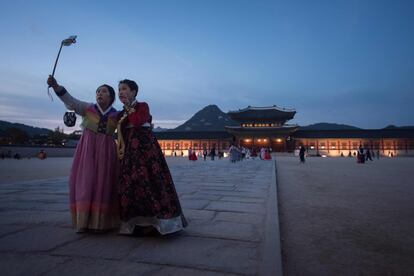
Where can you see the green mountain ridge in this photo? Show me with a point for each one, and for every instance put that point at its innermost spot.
(32, 131)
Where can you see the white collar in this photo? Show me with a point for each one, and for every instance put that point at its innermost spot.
(103, 112)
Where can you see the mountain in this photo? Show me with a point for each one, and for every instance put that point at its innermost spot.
(4, 125)
(327, 126)
(160, 129)
(210, 118)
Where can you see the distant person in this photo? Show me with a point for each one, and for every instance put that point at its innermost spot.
(302, 154)
(248, 154)
(213, 153)
(267, 155)
(254, 153)
(239, 153)
(368, 155)
(17, 156)
(2, 155)
(349, 154)
(361, 155)
(193, 156)
(190, 152)
(373, 154)
(205, 153)
(378, 154)
(262, 153)
(233, 151)
(42, 155)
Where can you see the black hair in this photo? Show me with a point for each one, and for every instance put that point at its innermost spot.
(131, 84)
(111, 92)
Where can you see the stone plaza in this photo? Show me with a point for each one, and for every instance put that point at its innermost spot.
(233, 228)
(336, 217)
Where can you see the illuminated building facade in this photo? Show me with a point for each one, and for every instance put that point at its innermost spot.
(266, 127)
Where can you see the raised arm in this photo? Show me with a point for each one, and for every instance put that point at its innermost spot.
(70, 102)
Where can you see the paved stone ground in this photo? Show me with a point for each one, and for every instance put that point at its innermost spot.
(342, 218)
(233, 228)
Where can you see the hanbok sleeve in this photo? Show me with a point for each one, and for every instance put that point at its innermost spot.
(71, 102)
(141, 115)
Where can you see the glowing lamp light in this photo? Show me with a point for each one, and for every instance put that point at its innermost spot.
(312, 147)
(322, 147)
(265, 140)
(278, 140)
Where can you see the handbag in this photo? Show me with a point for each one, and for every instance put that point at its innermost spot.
(69, 118)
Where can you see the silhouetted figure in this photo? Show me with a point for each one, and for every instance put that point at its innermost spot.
(213, 153)
(254, 153)
(361, 155)
(42, 155)
(368, 155)
(267, 155)
(302, 154)
(205, 153)
(190, 152)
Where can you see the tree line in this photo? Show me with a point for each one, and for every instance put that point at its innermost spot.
(17, 136)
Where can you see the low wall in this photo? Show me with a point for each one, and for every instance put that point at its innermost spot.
(32, 151)
(336, 153)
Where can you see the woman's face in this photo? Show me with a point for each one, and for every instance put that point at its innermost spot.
(125, 94)
(103, 97)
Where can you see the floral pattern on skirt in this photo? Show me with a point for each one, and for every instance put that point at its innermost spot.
(146, 187)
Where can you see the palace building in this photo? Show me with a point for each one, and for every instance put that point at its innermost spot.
(259, 127)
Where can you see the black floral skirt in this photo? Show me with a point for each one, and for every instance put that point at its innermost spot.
(146, 190)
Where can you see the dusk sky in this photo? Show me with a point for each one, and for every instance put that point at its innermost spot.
(349, 62)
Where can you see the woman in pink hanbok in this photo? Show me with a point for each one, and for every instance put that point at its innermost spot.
(94, 175)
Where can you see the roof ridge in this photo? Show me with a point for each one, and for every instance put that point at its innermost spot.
(264, 108)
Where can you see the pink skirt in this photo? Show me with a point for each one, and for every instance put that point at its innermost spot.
(93, 183)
